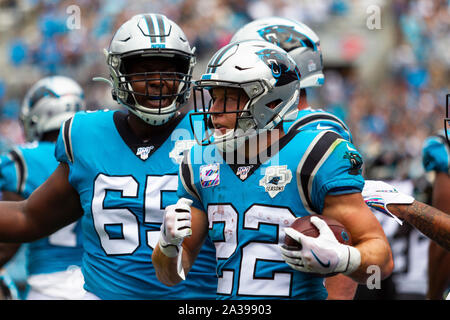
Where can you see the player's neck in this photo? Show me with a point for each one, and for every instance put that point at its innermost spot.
(50, 136)
(302, 102)
(141, 129)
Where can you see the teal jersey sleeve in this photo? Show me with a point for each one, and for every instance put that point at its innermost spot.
(63, 150)
(8, 174)
(26, 167)
(436, 154)
(186, 183)
(331, 166)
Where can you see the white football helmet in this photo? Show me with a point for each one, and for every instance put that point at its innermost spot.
(268, 76)
(148, 36)
(48, 103)
(294, 37)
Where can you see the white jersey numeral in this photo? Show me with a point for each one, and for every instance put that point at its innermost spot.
(125, 219)
(278, 284)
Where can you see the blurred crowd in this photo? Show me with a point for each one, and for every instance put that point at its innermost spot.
(389, 121)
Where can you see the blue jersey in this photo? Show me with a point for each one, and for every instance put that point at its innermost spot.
(22, 170)
(124, 185)
(436, 154)
(318, 119)
(249, 204)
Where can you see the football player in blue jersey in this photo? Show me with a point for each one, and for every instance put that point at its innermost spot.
(52, 263)
(118, 170)
(303, 45)
(247, 180)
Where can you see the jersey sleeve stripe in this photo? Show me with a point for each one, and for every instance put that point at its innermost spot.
(21, 169)
(310, 118)
(187, 175)
(316, 154)
(67, 129)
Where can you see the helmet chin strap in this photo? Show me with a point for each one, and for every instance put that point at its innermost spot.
(229, 142)
(151, 118)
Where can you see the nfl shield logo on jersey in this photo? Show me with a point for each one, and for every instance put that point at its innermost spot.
(275, 179)
(210, 175)
(144, 152)
(242, 172)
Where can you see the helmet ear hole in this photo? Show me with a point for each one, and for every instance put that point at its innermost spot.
(273, 104)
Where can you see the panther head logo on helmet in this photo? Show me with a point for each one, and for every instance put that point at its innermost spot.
(285, 37)
(283, 70)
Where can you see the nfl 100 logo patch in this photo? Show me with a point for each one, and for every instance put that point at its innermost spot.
(210, 175)
(144, 152)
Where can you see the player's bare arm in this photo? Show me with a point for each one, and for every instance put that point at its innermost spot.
(340, 287)
(367, 234)
(52, 206)
(438, 255)
(8, 250)
(432, 222)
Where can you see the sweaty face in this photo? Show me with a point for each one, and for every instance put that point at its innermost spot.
(154, 81)
(226, 102)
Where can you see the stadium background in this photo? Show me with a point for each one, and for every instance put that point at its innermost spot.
(386, 69)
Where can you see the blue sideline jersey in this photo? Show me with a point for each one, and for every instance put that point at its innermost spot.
(436, 154)
(124, 185)
(22, 170)
(249, 205)
(318, 119)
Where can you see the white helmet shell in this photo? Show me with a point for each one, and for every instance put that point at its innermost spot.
(48, 103)
(268, 76)
(150, 35)
(294, 37)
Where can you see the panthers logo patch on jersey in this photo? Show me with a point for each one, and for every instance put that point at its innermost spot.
(275, 179)
(355, 161)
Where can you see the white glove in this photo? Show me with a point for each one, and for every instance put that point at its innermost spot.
(378, 194)
(323, 255)
(175, 227)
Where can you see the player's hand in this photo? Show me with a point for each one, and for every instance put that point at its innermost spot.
(175, 227)
(323, 255)
(378, 194)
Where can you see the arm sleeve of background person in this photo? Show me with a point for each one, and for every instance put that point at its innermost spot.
(439, 258)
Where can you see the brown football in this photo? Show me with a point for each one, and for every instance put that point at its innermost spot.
(305, 226)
